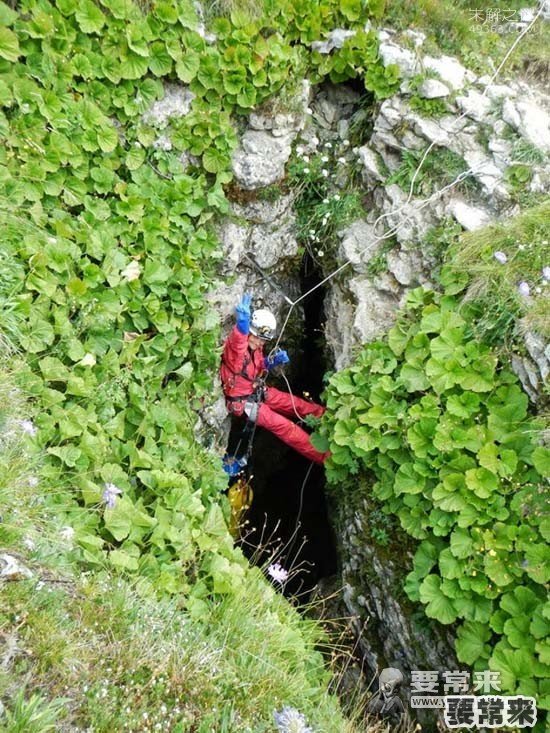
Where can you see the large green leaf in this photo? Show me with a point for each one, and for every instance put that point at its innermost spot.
(187, 67)
(462, 545)
(118, 520)
(107, 138)
(497, 568)
(9, 45)
(471, 643)
(482, 482)
(515, 665)
(439, 606)
(408, 480)
(425, 557)
(541, 460)
(89, 17)
(160, 61)
(537, 564)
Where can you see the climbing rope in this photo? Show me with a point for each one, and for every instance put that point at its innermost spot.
(423, 203)
(294, 534)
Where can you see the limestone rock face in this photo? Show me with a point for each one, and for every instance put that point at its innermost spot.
(261, 158)
(469, 217)
(359, 244)
(433, 88)
(530, 119)
(176, 102)
(533, 369)
(372, 578)
(371, 166)
(449, 70)
(391, 53)
(475, 104)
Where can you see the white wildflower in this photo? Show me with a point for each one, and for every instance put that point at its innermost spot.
(342, 161)
(345, 142)
(28, 427)
(524, 288)
(336, 197)
(52, 240)
(328, 145)
(500, 257)
(324, 158)
(320, 253)
(162, 142)
(306, 170)
(546, 273)
(67, 534)
(132, 271)
(308, 111)
(87, 360)
(110, 495)
(32, 481)
(277, 572)
(325, 201)
(324, 172)
(290, 720)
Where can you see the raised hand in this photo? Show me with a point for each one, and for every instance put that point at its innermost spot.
(242, 313)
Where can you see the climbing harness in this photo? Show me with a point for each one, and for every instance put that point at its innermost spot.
(238, 466)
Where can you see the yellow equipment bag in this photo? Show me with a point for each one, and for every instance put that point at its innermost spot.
(240, 498)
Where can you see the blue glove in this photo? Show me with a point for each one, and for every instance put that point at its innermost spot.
(278, 358)
(242, 313)
(232, 465)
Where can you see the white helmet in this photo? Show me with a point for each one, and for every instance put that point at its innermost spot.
(263, 324)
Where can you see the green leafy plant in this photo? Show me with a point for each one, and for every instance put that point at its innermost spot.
(518, 175)
(429, 107)
(445, 431)
(491, 286)
(440, 168)
(32, 714)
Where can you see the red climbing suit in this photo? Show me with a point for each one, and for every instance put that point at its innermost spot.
(240, 369)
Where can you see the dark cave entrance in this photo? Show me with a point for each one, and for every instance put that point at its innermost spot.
(288, 521)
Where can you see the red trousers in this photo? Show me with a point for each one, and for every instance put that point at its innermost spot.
(273, 414)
